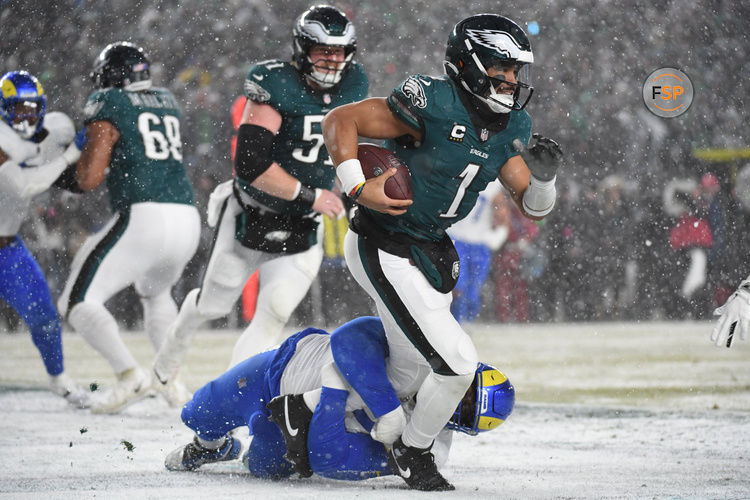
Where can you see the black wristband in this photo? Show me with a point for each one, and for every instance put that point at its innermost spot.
(306, 195)
(68, 180)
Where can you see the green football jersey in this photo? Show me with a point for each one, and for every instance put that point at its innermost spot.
(299, 147)
(146, 162)
(455, 160)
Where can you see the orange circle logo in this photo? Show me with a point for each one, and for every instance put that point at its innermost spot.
(668, 92)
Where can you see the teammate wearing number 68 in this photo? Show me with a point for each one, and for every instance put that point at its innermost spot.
(457, 133)
(132, 139)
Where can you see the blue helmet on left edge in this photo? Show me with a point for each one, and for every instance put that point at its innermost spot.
(22, 103)
(486, 404)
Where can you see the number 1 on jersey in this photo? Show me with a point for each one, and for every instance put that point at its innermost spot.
(467, 177)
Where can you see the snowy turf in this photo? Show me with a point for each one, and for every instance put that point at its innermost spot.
(603, 411)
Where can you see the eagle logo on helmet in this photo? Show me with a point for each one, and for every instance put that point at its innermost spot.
(501, 41)
(323, 25)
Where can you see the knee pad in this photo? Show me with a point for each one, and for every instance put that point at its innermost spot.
(228, 270)
(467, 357)
(278, 298)
(309, 261)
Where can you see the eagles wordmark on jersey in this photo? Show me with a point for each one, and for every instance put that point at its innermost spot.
(456, 159)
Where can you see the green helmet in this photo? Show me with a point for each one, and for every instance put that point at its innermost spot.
(483, 41)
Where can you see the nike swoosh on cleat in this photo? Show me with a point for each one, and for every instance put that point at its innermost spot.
(292, 430)
(405, 473)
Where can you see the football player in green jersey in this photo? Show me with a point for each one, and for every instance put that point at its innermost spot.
(456, 133)
(267, 217)
(133, 141)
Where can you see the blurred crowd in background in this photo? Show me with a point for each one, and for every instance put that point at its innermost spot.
(611, 250)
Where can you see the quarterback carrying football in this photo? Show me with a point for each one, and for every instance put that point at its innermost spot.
(457, 133)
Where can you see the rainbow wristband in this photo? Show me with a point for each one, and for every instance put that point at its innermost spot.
(354, 193)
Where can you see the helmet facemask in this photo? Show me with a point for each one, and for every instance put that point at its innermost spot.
(497, 96)
(486, 404)
(321, 71)
(486, 41)
(323, 26)
(23, 103)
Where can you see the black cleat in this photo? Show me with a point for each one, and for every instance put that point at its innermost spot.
(293, 417)
(417, 467)
(193, 455)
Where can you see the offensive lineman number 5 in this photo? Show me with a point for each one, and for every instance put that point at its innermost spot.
(159, 146)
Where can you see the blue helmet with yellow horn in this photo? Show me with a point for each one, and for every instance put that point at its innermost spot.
(486, 404)
(22, 103)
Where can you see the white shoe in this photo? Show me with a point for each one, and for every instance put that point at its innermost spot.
(132, 385)
(62, 385)
(170, 357)
(173, 390)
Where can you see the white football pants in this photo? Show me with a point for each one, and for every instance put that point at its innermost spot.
(284, 281)
(147, 246)
(421, 331)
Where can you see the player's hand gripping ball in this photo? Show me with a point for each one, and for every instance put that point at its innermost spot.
(376, 160)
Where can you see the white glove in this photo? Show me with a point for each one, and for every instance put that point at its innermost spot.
(390, 426)
(71, 154)
(216, 200)
(735, 317)
(496, 237)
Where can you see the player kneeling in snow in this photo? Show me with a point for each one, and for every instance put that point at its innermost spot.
(327, 427)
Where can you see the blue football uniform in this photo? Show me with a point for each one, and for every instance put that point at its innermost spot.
(239, 397)
(22, 282)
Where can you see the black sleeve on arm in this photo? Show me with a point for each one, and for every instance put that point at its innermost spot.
(253, 155)
(68, 180)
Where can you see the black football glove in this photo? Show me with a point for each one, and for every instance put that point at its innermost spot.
(543, 158)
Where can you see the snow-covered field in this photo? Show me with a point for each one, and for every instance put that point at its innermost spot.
(649, 410)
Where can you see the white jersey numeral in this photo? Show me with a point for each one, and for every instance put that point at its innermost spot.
(308, 135)
(467, 177)
(158, 145)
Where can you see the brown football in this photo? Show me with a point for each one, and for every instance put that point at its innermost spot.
(376, 160)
